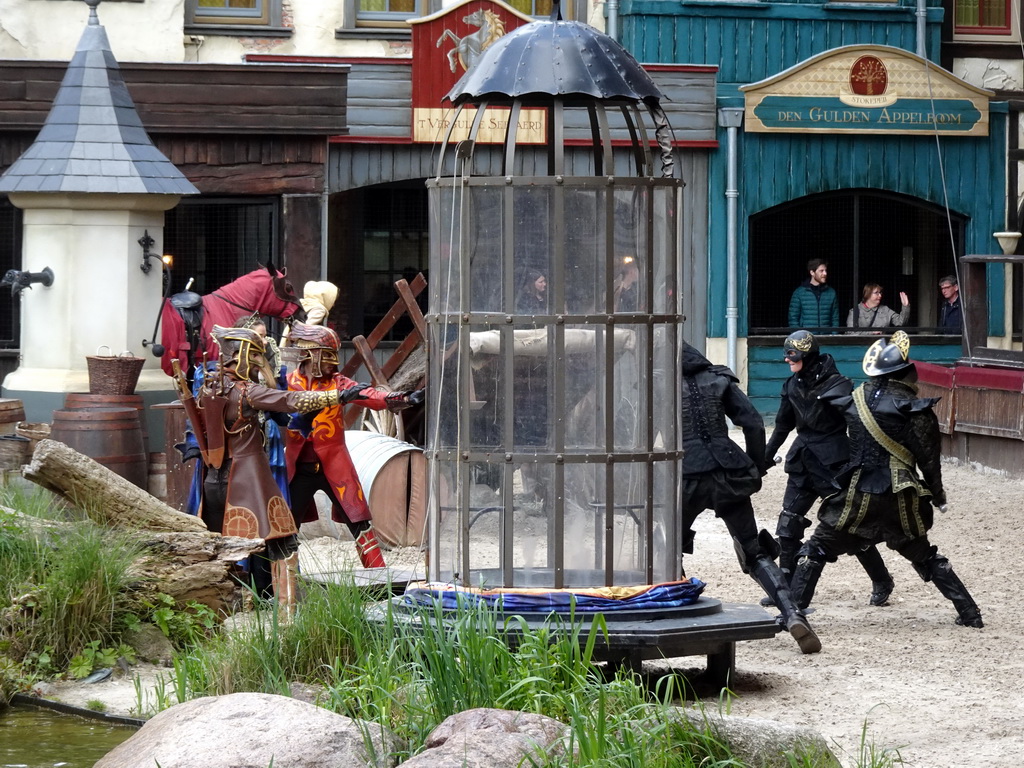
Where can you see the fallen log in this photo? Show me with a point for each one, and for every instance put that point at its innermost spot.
(199, 567)
(182, 558)
(107, 498)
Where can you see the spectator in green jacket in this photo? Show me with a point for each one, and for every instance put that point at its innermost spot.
(814, 303)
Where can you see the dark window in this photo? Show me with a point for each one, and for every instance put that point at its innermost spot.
(539, 8)
(377, 11)
(215, 240)
(10, 258)
(865, 236)
(383, 240)
(230, 11)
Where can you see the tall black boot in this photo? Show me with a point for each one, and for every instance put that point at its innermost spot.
(805, 579)
(938, 570)
(787, 555)
(766, 573)
(788, 548)
(881, 580)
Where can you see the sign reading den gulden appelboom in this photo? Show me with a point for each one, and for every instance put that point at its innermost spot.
(866, 89)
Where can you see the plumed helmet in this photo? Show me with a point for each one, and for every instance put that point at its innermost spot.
(317, 344)
(238, 346)
(885, 357)
(800, 345)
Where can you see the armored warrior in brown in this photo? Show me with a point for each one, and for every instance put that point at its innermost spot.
(240, 497)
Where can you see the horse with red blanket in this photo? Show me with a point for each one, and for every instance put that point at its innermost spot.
(188, 318)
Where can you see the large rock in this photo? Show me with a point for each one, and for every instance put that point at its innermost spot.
(488, 738)
(249, 730)
(761, 743)
(150, 644)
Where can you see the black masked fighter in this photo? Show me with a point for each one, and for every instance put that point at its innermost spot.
(820, 450)
(719, 475)
(893, 434)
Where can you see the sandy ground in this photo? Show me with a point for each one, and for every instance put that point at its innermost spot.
(945, 696)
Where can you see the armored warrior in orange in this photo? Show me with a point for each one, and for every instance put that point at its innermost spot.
(240, 497)
(318, 459)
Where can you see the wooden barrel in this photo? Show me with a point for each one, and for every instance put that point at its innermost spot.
(11, 412)
(13, 452)
(111, 436)
(178, 475)
(158, 475)
(84, 401)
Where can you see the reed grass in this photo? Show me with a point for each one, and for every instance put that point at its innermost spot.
(404, 671)
(395, 671)
(68, 583)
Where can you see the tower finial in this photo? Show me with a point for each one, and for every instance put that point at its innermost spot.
(94, 18)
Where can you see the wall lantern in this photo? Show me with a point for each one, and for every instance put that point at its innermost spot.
(147, 243)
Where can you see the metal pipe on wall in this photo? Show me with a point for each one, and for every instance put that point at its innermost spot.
(325, 214)
(613, 19)
(922, 19)
(731, 118)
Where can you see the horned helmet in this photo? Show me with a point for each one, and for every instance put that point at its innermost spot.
(242, 352)
(800, 345)
(318, 345)
(887, 357)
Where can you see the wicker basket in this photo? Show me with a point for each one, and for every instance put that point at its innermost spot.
(34, 431)
(113, 374)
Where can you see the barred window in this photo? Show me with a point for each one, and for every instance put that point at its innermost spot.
(10, 258)
(215, 240)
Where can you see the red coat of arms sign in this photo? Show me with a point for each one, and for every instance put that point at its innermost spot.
(444, 46)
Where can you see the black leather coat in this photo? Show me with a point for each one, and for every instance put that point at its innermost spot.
(710, 394)
(810, 405)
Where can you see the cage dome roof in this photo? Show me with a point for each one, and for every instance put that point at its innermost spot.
(555, 58)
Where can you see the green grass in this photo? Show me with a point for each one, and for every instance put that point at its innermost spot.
(404, 673)
(95, 705)
(65, 585)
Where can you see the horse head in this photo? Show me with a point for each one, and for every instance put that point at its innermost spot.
(476, 18)
(285, 292)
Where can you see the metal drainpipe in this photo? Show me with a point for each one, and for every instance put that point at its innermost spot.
(922, 18)
(325, 208)
(731, 118)
(613, 19)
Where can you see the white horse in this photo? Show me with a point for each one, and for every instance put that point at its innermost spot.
(469, 48)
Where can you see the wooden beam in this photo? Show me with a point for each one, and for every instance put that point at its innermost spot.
(412, 307)
(385, 325)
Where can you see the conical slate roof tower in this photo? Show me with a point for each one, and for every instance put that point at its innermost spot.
(93, 140)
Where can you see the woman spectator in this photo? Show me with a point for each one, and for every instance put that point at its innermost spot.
(872, 313)
(533, 294)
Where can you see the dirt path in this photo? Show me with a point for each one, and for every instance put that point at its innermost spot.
(945, 695)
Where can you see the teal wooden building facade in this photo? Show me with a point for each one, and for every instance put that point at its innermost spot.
(893, 208)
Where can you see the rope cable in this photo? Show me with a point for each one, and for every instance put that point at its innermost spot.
(434, 500)
(945, 189)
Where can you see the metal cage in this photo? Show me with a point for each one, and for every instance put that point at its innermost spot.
(554, 450)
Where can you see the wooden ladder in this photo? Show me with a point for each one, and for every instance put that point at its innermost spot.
(365, 345)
